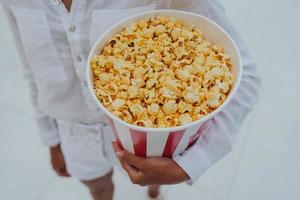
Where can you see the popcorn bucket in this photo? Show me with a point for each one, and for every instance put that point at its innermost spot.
(166, 142)
(154, 143)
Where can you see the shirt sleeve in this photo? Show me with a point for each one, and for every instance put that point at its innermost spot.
(219, 135)
(47, 126)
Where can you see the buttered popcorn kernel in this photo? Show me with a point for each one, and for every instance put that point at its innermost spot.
(158, 72)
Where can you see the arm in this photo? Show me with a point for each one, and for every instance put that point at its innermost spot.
(47, 126)
(220, 135)
(221, 131)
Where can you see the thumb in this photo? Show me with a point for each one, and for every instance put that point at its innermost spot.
(116, 147)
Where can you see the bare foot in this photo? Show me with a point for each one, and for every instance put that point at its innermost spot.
(153, 191)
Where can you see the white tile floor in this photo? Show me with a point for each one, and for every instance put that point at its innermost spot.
(264, 164)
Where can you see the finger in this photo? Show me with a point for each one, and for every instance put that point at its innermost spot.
(119, 152)
(61, 171)
(64, 172)
(131, 159)
(116, 147)
(58, 171)
(135, 175)
(128, 168)
(118, 144)
(127, 157)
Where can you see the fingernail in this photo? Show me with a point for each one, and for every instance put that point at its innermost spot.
(120, 154)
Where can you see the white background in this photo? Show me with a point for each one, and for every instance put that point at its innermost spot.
(264, 164)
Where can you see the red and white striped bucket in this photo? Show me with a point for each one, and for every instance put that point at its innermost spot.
(166, 142)
(155, 143)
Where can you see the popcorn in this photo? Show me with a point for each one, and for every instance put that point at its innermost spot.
(133, 91)
(104, 77)
(142, 24)
(157, 72)
(150, 83)
(118, 103)
(191, 97)
(183, 75)
(179, 52)
(136, 109)
(146, 123)
(170, 107)
(153, 109)
(159, 29)
(148, 32)
(168, 94)
(185, 118)
(184, 107)
(122, 95)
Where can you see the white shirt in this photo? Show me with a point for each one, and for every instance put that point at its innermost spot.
(54, 45)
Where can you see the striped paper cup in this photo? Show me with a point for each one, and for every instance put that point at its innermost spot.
(165, 142)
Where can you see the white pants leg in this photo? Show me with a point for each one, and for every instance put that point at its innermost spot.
(87, 149)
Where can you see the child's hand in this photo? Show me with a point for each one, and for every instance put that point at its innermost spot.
(150, 171)
(58, 161)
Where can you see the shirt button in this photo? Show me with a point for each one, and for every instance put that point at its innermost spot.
(85, 84)
(78, 58)
(72, 29)
(56, 2)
